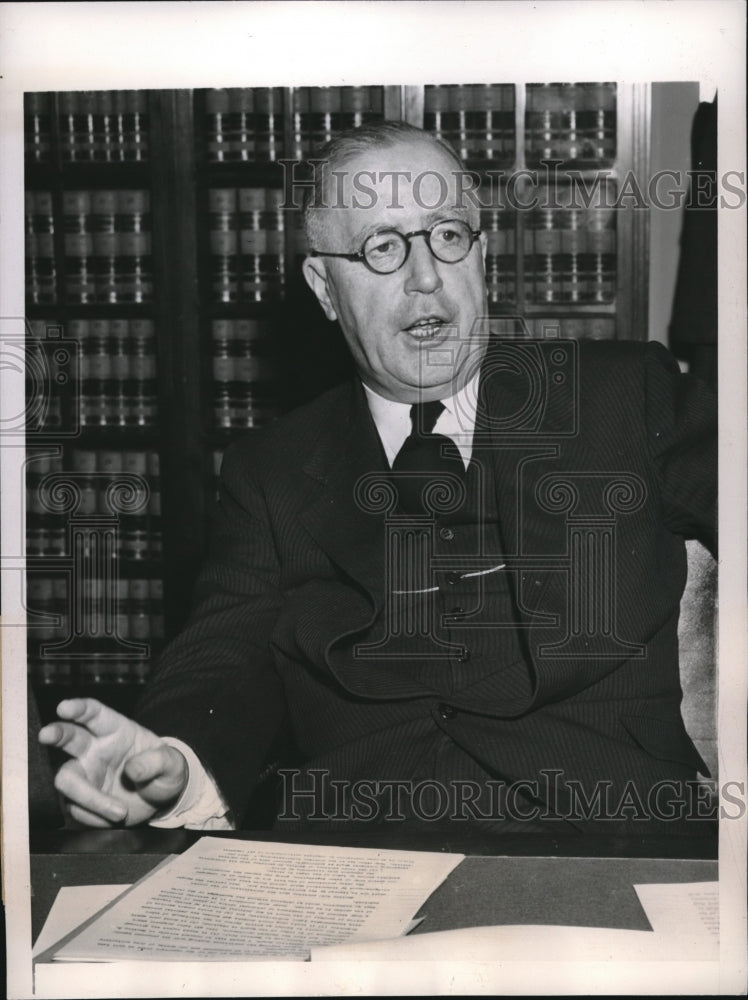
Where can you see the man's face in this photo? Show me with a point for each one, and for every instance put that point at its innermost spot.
(395, 323)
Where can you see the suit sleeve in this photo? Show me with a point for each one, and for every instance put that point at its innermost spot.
(215, 686)
(681, 414)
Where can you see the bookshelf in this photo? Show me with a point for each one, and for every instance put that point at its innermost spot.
(94, 539)
(167, 313)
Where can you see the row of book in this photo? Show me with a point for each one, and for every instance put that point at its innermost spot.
(571, 122)
(244, 405)
(244, 374)
(106, 247)
(244, 125)
(101, 126)
(246, 244)
(133, 461)
(101, 373)
(478, 120)
(570, 278)
(241, 351)
(132, 609)
(137, 540)
(321, 112)
(72, 498)
(88, 670)
(247, 125)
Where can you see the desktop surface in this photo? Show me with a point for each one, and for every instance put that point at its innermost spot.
(514, 879)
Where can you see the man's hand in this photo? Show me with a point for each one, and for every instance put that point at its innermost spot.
(119, 772)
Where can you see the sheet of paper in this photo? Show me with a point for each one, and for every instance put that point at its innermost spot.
(526, 943)
(73, 905)
(237, 900)
(688, 911)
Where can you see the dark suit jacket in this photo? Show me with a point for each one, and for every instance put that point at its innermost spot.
(604, 456)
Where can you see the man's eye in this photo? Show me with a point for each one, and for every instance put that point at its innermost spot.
(448, 235)
(381, 247)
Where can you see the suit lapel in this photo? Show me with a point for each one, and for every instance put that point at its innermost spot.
(335, 514)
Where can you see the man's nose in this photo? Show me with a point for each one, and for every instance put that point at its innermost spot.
(422, 268)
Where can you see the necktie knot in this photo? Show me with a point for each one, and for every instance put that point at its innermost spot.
(423, 416)
(426, 460)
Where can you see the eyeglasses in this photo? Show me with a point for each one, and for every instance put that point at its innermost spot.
(384, 252)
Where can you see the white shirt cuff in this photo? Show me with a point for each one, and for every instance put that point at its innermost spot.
(201, 805)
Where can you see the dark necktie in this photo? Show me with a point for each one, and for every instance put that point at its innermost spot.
(424, 459)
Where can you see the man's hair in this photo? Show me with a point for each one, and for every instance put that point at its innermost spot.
(345, 146)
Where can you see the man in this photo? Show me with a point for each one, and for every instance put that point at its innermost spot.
(463, 611)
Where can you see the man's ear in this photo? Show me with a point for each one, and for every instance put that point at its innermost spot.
(483, 240)
(315, 273)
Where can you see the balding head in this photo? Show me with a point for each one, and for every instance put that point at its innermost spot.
(333, 188)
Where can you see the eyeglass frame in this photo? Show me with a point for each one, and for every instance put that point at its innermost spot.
(407, 237)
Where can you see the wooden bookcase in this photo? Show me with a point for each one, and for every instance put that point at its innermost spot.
(236, 336)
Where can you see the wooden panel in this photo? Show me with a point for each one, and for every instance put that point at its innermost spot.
(179, 354)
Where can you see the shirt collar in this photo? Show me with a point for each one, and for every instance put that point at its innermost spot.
(392, 419)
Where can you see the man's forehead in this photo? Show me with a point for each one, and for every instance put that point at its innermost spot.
(414, 164)
(393, 184)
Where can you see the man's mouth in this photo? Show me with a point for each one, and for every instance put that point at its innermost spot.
(427, 327)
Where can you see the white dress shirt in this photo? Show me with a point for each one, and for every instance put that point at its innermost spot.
(201, 806)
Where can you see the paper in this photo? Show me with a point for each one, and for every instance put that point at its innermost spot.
(73, 906)
(527, 943)
(686, 910)
(235, 900)
(684, 919)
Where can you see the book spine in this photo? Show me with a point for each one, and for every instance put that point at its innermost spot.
(501, 267)
(135, 126)
(37, 128)
(253, 245)
(142, 384)
(134, 267)
(41, 271)
(217, 126)
(105, 248)
(80, 287)
(223, 244)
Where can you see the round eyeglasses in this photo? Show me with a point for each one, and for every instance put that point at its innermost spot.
(386, 251)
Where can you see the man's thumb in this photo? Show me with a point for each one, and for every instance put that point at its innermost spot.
(162, 765)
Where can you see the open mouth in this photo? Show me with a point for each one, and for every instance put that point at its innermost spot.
(427, 327)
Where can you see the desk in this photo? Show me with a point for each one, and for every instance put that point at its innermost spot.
(508, 880)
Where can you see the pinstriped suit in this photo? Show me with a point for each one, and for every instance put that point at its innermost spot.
(610, 448)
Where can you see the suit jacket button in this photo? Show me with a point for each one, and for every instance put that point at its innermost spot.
(446, 534)
(447, 711)
(464, 655)
(453, 578)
